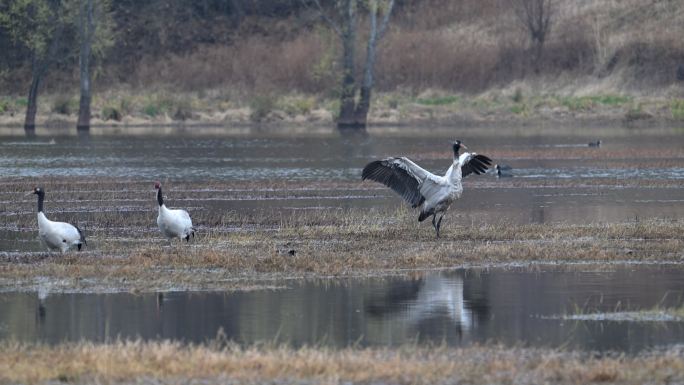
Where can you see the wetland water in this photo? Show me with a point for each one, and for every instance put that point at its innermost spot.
(462, 307)
(558, 178)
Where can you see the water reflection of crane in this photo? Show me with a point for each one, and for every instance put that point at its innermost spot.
(424, 304)
(43, 293)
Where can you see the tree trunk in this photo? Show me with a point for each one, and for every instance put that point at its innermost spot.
(539, 50)
(32, 106)
(39, 66)
(348, 91)
(353, 114)
(362, 108)
(86, 27)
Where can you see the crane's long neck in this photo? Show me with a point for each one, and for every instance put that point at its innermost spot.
(160, 198)
(453, 174)
(41, 197)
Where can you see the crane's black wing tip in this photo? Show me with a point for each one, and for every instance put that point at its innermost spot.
(477, 165)
(484, 159)
(370, 169)
(83, 238)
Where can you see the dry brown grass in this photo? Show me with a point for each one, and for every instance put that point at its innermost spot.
(239, 249)
(172, 362)
(464, 46)
(338, 243)
(252, 65)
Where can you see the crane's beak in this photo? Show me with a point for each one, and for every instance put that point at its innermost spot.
(29, 193)
(464, 146)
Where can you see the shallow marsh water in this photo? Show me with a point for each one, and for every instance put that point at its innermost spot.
(459, 308)
(558, 178)
(634, 175)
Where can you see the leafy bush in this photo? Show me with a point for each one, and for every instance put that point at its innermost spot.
(64, 106)
(517, 96)
(298, 105)
(151, 110)
(261, 106)
(21, 102)
(157, 105)
(111, 113)
(183, 110)
(4, 105)
(520, 109)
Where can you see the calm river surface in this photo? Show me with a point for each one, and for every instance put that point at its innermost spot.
(462, 307)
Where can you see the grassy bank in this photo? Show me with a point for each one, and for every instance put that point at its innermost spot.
(172, 362)
(514, 105)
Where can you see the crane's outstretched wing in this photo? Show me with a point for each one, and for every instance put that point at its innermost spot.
(401, 175)
(474, 163)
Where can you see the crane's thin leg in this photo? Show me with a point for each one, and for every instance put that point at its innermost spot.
(435, 225)
(439, 224)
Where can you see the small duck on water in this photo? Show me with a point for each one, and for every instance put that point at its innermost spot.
(503, 171)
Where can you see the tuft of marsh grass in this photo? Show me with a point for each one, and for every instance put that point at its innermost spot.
(438, 100)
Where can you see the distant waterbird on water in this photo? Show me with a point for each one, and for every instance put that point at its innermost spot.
(57, 235)
(595, 144)
(503, 171)
(420, 187)
(173, 223)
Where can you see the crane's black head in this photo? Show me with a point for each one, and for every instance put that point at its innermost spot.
(41, 196)
(457, 147)
(160, 198)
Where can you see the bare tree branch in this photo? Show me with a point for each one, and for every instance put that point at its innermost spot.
(535, 16)
(325, 17)
(385, 19)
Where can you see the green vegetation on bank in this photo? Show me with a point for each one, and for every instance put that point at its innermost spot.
(121, 107)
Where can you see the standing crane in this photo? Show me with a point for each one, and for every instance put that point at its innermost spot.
(173, 223)
(57, 235)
